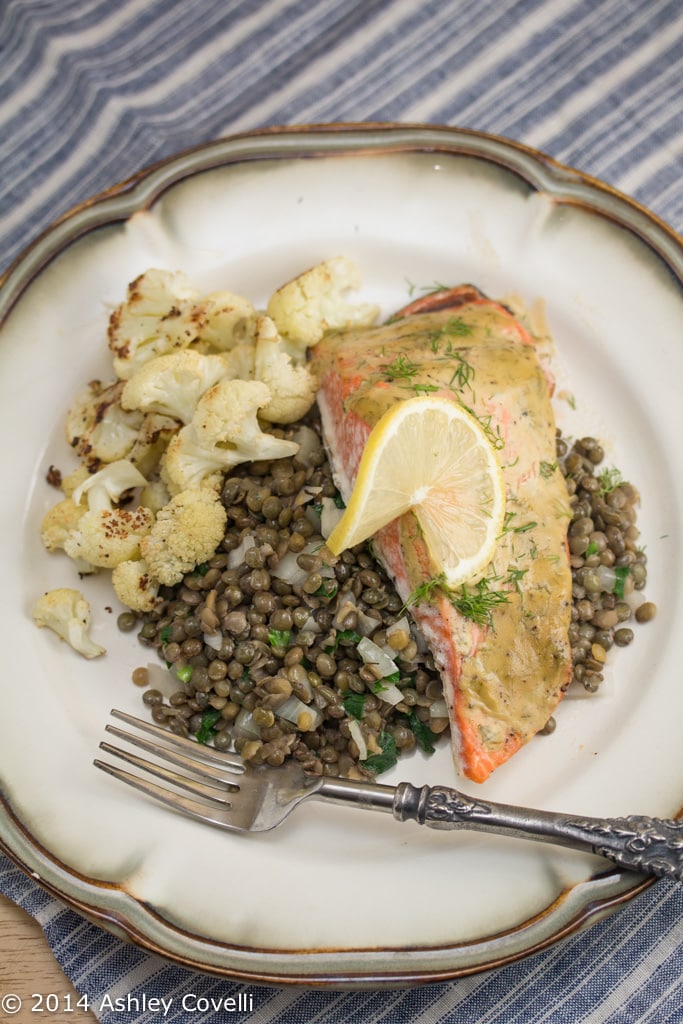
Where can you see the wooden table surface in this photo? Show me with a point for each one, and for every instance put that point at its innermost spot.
(29, 970)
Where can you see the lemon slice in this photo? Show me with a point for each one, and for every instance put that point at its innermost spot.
(430, 455)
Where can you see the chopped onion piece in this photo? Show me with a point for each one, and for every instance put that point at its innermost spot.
(374, 656)
(213, 640)
(307, 494)
(401, 625)
(329, 516)
(366, 624)
(607, 577)
(294, 709)
(236, 556)
(159, 678)
(289, 570)
(244, 724)
(308, 442)
(389, 693)
(439, 709)
(358, 739)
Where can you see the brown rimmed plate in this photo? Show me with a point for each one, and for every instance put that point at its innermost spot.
(336, 897)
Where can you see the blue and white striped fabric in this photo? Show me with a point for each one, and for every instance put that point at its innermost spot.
(92, 91)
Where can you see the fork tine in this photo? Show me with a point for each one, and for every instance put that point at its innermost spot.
(206, 791)
(196, 809)
(176, 757)
(220, 758)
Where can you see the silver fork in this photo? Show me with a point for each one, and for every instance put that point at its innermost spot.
(223, 791)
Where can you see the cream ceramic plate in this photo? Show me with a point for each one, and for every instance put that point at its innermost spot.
(338, 896)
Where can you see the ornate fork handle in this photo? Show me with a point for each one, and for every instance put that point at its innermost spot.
(650, 845)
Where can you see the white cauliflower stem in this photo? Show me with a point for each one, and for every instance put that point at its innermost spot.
(97, 428)
(223, 433)
(292, 388)
(105, 487)
(67, 613)
(314, 302)
(173, 384)
(160, 314)
(187, 531)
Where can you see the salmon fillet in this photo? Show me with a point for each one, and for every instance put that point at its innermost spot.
(501, 645)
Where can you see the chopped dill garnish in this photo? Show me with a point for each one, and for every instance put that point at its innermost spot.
(514, 576)
(463, 374)
(476, 601)
(508, 526)
(609, 480)
(402, 368)
(547, 469)
(457, 327)
(494, 436)
(424, 591)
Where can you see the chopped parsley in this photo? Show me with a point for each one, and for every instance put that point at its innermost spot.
(354, 703)
(621, 572)
(206, 730)
(378, 763)
(426, 739)
(328, 588)
(278, 638)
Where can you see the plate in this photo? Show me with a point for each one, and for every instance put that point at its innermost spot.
(338, 897)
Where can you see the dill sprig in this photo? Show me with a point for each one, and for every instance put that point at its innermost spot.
(493, 435)
(463, 374)
(402, 368)
(609, 480)
(475, 601)
(478, 601)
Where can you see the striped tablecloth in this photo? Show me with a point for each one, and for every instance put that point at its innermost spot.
(92, 91)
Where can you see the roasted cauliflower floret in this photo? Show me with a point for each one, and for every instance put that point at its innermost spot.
(106, 487)
(59, 522)
(224, 432)
(228, 320)
(239, 362)
(105, 537)
(67, 613)
(154, 495)
(174, 383)
(187, 531)
(101, 431)
(98, 428)
(160, 314)
(314, 302)
(152, 440)
(135, 586)
(292, 388)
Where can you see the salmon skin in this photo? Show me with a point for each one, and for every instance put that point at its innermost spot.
(500, 644)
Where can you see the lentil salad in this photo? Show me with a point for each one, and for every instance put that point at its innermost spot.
(282, 651)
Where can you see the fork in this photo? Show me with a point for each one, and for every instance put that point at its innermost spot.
(224, 792)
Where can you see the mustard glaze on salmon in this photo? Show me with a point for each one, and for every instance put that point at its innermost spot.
(504, 671)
